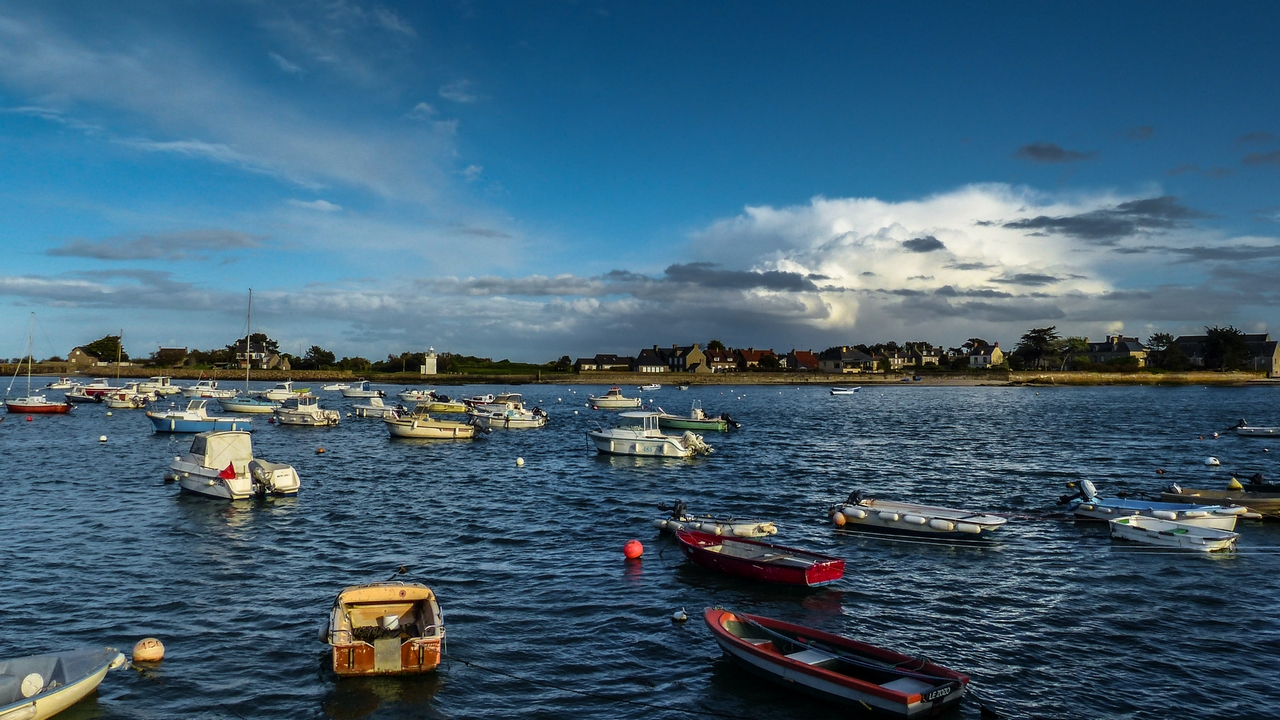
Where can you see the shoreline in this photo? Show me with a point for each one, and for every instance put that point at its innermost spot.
(1054, 378)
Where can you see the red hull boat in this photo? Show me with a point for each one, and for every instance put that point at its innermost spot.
(36, 405)
(856, 675)
(760, 561)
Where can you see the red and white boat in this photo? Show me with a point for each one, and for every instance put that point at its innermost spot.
(33, 404)
(854, 674)
(760, 561)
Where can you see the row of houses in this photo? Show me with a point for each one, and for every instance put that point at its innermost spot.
(692, 358)
(258, 357)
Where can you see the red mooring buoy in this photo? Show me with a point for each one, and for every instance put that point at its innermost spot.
(633, 549)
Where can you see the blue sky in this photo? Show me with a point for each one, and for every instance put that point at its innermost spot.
(528, 180)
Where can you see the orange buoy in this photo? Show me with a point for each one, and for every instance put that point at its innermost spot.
(319, 451)
(1160, 471)
(28, 418)
(633, 549)
(839, 519)
(148, 650)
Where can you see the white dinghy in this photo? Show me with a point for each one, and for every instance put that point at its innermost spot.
(221, 465)
(726, 526)
(900, 518)
(41, 686)
(844, 391)
(1167, 533)
(1087, 505)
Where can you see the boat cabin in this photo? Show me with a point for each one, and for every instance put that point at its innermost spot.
(646, 421)
(301, 402)
(217, 450)
(385, 629)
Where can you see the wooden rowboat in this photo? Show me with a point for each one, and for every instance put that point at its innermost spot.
(1166, 533)
(857, 675)
(760, 561)
(387, 628)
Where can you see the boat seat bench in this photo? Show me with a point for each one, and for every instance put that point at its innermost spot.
(810, 657)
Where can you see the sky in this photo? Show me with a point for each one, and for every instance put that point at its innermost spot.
(531, 180)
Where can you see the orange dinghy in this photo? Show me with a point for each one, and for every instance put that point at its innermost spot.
(387, 628)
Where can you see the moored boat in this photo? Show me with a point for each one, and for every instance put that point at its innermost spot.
(1260, 498)
(697, 419)
(1167, 533)
(32, 403)
(387, 628)
(305, 410)
(727, 525)
(95, 387)
(511, 419)
(901, 518)
(419, 424)
(253, 404)
(221, 465)
(209, 390)
(36, 687)
(282, 391)
(362, 389)
(195, 418)
(79, 396)
(856, 675)
(415, 396)
(1087, 505)
(334, 387)
(443, 404)
(650, 386)
(128, 398)
(375, 408)
(1243, 428)
(760, 561)
(844, 391)
(641, 436)
(613, 400)
(159, 385)
(62, 383)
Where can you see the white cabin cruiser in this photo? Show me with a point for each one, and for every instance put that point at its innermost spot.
(1244, 429)
(642, 436)
(900, 518)
(129, 397)
(159, 385)
(1086, 505)
(613, 400)
(208, 389)
(411, 395)
(375, 408)
(305, 410)
(62, 383)
(284, 390)
(362, 389)
(1167, 533)
(221, 465)
(844, 391)
(510, 419)
(497, 403)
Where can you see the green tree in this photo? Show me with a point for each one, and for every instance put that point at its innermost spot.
(1073, 350)
(564, 364)
(1165, 354)
(355, 364)
(315, 358)
(769, 362)
(716, 345)
(105, 348)
(1225, 348)
(1039, 346)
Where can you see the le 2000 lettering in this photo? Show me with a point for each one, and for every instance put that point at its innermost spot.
(940, 692)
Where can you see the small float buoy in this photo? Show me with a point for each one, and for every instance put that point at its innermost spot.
(575, 412)
(1212, 461)
(271, 421)
(102, 438)
(1201, 437)
(1215, 434)
(319, 451)
(1266, 450)
(1159, 471)
(839, 519)
(559, 399)
(519, 462)
(679, 615)
(633, 549)
(108, 413)
(148, 650)
(28, 418)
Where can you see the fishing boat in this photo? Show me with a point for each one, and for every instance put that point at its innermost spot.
(844, 391)
(335, 387)
(36, 687)
(96, 387)
(900, 518)
(613, 400)
(414, 396)
(1167, 533)
(32, 403)
(221, 465)
(159, 385)
(1261, 497)
(209, 390)
(79, 396)
(374, 408)
(443, 404)
(419, 424)
(282, 391)
(697, 419)
(640, 435)
(195, 418)
(305, 410)
(1086, 505)
(362, 389)
(725, 525)
(509, 419)
(856, 675)
(650, 386)
(496, 403)
(62, 383)
(759, 561)
(1243, 428)
(128, 398)
(387, 628)
(250, 404)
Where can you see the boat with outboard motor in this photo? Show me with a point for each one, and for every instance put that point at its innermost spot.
(375, 408)
(305, 410)
(855, 675)
(444, 404)
(159, 385)
(95, 387)
(1258, 495)
(221, 465)
(62, 383)
(640, 435)
(362, 389)
(129, 397)
(510, 419)
(194, 418)
(418, 423)
(1244, 429)
(697, 419)
(253, 404)
(386, 628)
(902, 518)
(282, 391)
(78, 396)
(37, 687)
(496, 403)
(727, 525)
(1167, 533)
(759, 561)
(844, 391)
(613, 400)
(1085, 504)
(209, 390)
(414, 396)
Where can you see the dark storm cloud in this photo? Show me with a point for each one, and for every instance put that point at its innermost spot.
(1259, 137)
(1213, 172)
(951, 291)
(706, 275)
(1143, 132)
(1268, 158)
(1026, 279)
(1107, 226)
(925, 244)
(1044, 152)
(166, 246)
(969, 266)
(939, 307)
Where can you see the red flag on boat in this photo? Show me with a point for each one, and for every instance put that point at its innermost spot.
(229, 473)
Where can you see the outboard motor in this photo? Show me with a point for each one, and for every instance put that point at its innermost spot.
(1086, 491)
(855, 498)
(676, 509)
(725, 417)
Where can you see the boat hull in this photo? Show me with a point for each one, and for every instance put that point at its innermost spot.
(1165, 533)
(637, 445)
(163, 424)
(360, 645)
(909, 519)
(89, 668)
(1262, 503)
(720, 527)
(614, 403)
(38, 408)
(326, 418)
(454, 408)
(682, 423)
(770, 563)
(433, 430)
(1107, 512)
(249, 406)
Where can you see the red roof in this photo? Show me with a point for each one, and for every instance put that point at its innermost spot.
(805, 359)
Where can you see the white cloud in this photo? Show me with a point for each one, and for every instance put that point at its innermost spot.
(321, 205)
(285, 65)
(422, 111)
(458, 91)
(472, 173)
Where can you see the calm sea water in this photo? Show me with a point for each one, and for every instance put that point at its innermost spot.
(1051, 621)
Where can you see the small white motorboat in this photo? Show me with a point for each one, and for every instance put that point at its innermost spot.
(305, 410)
(420, 424)
(284, 390)
(642, 436)
(1253, 431)
(208, 389)
(650, 386)
(845, 391)
(497, 403)
(41, 686)
(1087, 505)
(900, 518)
(129, 398)
(159, 385)
(362, 389)
(411, 395)
(728, 526)
(62, 383)
(613, 400)
(335, 387)
(510, 419)
(221, 465)
(248, 404)
(374, 408)
(1167, 533)
(195, 418)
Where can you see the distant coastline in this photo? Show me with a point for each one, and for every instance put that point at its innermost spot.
(623, 379)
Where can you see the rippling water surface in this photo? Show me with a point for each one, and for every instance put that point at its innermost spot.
(1051, 621)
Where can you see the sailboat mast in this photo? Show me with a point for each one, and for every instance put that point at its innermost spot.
(248, 333)
(31, 338)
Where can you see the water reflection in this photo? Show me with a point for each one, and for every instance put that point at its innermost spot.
(352, 698)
